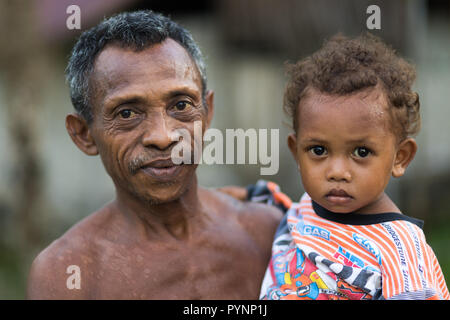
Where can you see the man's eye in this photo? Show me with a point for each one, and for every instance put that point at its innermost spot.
(126, 113)
(361, 152)
(181, 105)
(318, 150)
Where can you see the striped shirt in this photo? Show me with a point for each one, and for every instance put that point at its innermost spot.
(318, 254)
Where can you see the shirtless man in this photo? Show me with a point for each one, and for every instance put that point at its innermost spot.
(134, 79)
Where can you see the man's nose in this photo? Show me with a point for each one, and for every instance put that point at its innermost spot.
(157, 132)
(339, 170)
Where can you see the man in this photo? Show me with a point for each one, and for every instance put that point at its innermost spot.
(135, 80)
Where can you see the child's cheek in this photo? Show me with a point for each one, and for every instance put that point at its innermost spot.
(311, 177)
(371, 182)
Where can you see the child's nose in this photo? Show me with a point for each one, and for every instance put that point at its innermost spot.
(338, 171)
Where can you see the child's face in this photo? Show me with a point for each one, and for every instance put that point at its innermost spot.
(346, 150)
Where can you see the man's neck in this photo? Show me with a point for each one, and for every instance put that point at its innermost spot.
(171, 219)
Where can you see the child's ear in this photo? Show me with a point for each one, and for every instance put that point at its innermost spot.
(405, 154)
(80, 133)
(292, 144)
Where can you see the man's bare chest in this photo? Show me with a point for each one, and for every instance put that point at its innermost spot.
(218, 269)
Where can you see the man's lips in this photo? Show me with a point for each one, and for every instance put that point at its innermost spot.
(338, 196)
(160, 163)
(161, 169)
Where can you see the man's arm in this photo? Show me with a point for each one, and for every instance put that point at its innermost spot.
(55, 275)
(261, 221)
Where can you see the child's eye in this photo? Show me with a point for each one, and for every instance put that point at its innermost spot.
(361, 152)
(318, 150)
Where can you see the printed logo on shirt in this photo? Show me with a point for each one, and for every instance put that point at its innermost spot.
(310, 230)
(401, 254)
(368, 245)
(348, 259)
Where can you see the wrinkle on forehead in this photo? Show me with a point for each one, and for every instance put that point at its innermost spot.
(116, 67)
(117, 61)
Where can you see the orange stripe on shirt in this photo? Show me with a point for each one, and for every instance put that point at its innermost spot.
(411, 255)
(343, 238)
(397, 241)
(429, 275)
(326, 247)
(389, 258)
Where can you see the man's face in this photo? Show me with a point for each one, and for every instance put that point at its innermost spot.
(140, 99)
(345, 148)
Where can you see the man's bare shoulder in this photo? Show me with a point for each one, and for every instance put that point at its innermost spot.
(259, 220)
(53, 273)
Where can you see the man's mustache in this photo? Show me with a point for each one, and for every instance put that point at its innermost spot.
(139, 161)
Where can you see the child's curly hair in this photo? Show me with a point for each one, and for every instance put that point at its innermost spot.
(343, 66)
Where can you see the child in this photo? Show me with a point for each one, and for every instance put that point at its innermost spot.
(354, 118)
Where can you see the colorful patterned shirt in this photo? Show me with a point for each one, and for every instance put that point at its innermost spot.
(318, 254)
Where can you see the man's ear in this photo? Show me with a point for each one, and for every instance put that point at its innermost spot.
(405, 154)
(292, 144)
(80, 133)
(210, 105)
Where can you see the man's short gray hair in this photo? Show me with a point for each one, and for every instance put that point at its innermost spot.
(138, 30)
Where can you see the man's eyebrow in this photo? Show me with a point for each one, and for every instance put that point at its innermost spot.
(123, 98)
(183, 91)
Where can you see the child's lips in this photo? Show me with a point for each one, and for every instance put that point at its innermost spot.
(338, 196)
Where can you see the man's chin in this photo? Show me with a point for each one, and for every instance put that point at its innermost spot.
(162, 194)
(153, 191)
(155, 200)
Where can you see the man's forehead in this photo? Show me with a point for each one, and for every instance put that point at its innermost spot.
(116, 65)
(153, 72)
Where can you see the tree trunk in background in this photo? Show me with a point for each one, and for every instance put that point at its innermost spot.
(22, 62)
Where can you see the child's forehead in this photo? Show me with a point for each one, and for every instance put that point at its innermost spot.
(374, 98)
(360, 111)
